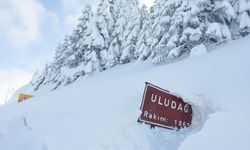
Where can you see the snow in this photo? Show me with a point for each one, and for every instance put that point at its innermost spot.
(195, 34)
(214, 30)
(175, 52)
(244, 20)
(244, 5)
(198, 50)
(227, 9)
(232, 135)
(100, 112)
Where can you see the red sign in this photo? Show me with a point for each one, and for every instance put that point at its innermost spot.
(163, 109)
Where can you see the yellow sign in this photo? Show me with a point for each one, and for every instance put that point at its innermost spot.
(23, 97)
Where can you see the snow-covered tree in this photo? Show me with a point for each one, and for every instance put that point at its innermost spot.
(126, 16)
(220, 15)
(117, 35)
(242, 9)
(120, 32)
(39, 77)
(93, 63)
(143, 51)
(131, 31)
(113, 53)
(180, 25)
(64, 68)
(105, 21)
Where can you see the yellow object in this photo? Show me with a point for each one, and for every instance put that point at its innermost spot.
(23, 97)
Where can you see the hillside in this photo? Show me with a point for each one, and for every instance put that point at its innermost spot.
(121, 32)
(101, 111)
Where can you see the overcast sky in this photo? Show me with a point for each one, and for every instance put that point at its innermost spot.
(29, 33)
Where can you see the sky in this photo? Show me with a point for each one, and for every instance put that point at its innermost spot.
(29, 33)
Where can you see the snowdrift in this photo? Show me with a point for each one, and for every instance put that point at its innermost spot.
(100, 112)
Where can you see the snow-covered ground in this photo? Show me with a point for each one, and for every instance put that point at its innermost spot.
(100, 112)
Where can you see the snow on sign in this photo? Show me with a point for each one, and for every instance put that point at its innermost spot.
(163, 109)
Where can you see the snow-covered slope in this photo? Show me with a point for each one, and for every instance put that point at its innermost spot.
(101, 111)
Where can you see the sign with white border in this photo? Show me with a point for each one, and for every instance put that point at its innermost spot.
(161, 108)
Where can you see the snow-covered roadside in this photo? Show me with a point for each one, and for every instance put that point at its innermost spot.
(100, 112)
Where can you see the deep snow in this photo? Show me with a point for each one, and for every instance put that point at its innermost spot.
(100, 111)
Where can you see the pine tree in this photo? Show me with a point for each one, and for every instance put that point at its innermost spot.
(39, 77)
(143, 51)
(105, 24)
(219, 17)
(93, 63)
(69, 63)
(63, 51)
(242, 9)
(117, 34)
(126, 18)
(120, 32)
(181, 25)
(131, 31)
(112, 54)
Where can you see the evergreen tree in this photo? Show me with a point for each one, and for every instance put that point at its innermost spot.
(242, 22)
(39, 77)
(144, 38)
(105, 24)
(219, 17)
(180, 25)
(64, 69)
(120, 32)
(131, 31)
(112, 54)
(93, 63)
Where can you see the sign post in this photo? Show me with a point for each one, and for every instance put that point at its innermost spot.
(161, 108)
